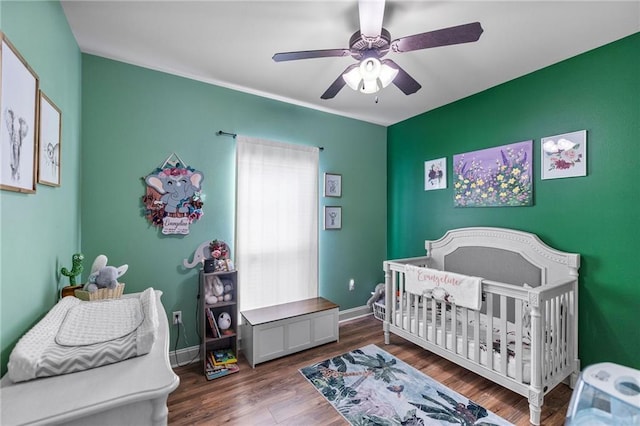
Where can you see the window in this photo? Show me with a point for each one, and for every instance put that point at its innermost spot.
(276, 222)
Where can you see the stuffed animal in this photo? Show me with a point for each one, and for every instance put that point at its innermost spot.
(76, 268)
(217, 289)
(213, 289)
(103, 276)
(377, 295)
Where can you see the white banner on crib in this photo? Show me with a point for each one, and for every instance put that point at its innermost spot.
(460, 289)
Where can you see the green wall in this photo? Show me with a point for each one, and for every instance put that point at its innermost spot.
(596, 215)
(134, 118)
(39, 232)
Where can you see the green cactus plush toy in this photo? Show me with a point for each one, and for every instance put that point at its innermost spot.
(76, 268)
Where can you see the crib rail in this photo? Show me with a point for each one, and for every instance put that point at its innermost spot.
(522, 338)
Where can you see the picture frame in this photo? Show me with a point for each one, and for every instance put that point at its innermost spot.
(501, 176)
(435, 174)
(332, 218)
(564, 155)
(332, 185)
(49, 141)
(18, 120)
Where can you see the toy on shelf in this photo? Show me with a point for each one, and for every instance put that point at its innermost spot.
(220, 254)
(217, 289)
(224, 323)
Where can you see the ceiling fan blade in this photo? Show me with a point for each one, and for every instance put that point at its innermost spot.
(371, 14)
(403, 80)
(453, 35)
(337, 85)
(310, 54)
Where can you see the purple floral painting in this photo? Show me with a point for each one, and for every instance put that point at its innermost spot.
(494, 177)
(564, 155)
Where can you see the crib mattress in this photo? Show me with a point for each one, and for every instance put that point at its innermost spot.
(494, 347)
(76, 335)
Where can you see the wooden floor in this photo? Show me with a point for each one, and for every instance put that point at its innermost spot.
(275, 393)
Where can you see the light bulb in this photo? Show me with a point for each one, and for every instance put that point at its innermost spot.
(370, 68)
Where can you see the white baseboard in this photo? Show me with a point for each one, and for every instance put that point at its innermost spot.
(184, 356)
(353, 313)
(189, 355)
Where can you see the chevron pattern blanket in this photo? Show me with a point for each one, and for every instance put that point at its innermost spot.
(76, 335)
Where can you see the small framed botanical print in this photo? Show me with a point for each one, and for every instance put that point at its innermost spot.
(332, 217)
(332, 185)
(435, 174)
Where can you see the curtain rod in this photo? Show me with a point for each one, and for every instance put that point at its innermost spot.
(220, 133)
(233, 135)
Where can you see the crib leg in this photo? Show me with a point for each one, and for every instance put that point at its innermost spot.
(535, 406)
(385, 327)
(534, 414)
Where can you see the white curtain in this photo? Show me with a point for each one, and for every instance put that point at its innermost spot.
(276, 222)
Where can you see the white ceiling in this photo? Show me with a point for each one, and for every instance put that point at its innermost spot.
(230, 44)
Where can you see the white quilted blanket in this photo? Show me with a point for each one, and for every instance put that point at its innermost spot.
(76, 335)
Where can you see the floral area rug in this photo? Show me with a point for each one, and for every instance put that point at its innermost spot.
(369, 386)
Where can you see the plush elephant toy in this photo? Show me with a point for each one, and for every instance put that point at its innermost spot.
(377, 295)
(177, 186)
(103, 276)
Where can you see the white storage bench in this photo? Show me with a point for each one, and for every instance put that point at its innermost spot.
(279, 330)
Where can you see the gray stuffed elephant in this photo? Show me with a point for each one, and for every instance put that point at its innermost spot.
(177, 186)
(377, 295)
(103, 276)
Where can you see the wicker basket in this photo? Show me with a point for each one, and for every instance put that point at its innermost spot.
(101, 293)
(378, 311)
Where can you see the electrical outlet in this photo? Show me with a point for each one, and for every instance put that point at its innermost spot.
(177, 317)
(352, 284)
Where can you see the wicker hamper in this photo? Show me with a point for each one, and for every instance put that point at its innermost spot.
(101, 293)
(378, 310)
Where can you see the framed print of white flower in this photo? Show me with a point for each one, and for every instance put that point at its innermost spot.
(564, 155)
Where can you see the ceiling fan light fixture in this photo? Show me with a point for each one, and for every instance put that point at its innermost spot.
(370, 76)
(353, 78)
(370, 68)
(387, 74)
(370, 86)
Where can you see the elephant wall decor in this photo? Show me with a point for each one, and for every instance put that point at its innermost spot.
(173, 198)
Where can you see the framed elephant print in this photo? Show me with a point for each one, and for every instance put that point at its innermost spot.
(172, 200)
(49, 135)
(18, 126)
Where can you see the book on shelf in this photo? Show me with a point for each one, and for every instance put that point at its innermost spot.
(223, 357)
(213, 325)
(222, 371)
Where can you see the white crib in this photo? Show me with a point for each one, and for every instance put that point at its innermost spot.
(525, 336)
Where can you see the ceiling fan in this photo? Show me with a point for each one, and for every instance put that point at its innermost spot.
(372, 42)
